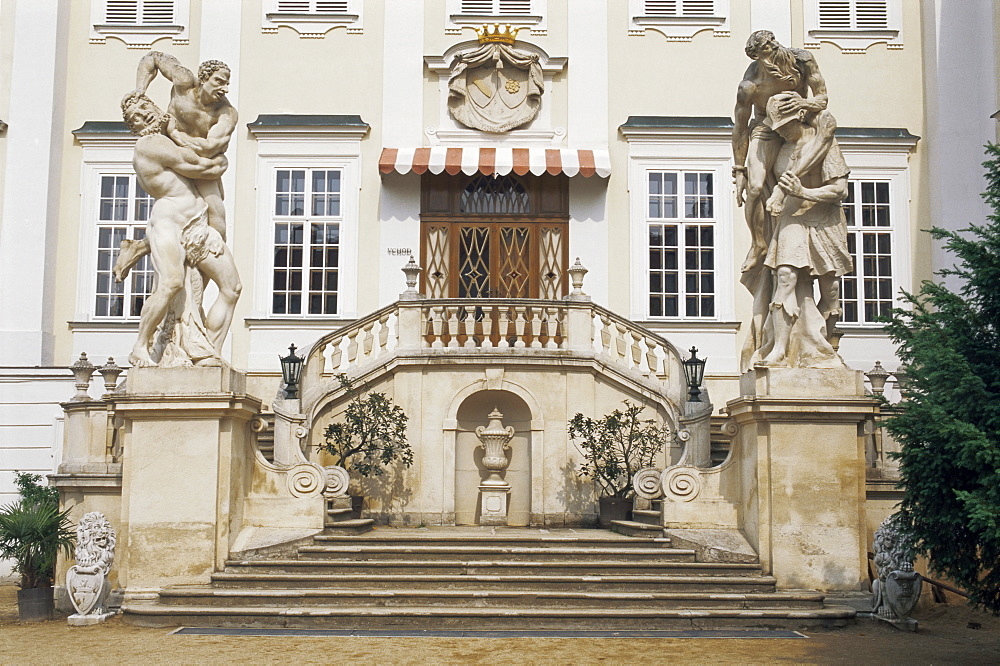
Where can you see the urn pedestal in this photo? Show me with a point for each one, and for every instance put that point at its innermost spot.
(494, 491)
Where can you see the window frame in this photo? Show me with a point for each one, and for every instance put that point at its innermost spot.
(853, 40)
(96, 224)
(306, 220)
(898, 180)
(682, 222)
(535, 20)
(140, 36)
(679, 27)
(639, 171)
(312, 24)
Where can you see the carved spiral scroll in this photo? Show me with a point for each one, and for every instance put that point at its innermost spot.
(337, 480)
(259, 424)
(305, 480)
(646, 483)
(681, 485)
(730, 428)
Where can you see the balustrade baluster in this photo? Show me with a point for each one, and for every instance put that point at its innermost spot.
(536, 328)
(470, 328)
(519, 323)
(504, 327)
(336, 354)
(651, 359)
(453, 326)
(607, 332)
(352, 347)
(487, 326)
(437, 323)
(383, 331)
(621, 353)
(636, 351)
(551, 327)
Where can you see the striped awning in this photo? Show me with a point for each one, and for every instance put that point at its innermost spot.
(496, 160)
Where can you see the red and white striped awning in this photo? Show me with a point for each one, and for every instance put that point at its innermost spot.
(496, 160)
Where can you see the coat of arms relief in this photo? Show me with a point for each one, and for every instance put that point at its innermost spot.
(495, 88)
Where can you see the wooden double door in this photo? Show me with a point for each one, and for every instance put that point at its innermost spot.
(494, 236)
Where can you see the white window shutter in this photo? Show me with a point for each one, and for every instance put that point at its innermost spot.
(121, 12)
(871, 14)
(660, 8)
(853, 14)
(157, 12)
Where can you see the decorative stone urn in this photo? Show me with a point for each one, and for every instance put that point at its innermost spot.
(494, 438)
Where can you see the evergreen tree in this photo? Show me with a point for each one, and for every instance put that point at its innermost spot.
(948, 422)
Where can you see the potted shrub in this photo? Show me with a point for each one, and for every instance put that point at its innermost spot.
(368, 438)
(32, 532)
(615, 447)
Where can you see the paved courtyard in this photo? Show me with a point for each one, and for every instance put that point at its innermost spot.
(945, 637)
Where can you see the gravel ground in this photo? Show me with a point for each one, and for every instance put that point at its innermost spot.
(945, 637)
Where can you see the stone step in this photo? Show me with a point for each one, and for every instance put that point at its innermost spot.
(474, 598)
(490, 566)
(348, 527)
(430, 553)
(648, 517)
(484, 617)
(635, 529)
(721, 583)
(597, 539)
(339, 514)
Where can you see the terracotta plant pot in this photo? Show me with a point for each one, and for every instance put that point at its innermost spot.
(613, 508)
(35, 604)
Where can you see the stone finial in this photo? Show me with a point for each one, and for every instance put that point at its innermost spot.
(877, 376)
(110, 372)
(412, 272)
(82, 371)
(576, 274)
(87, 580)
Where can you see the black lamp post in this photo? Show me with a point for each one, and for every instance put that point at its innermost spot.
(291, 370)
(694, 371)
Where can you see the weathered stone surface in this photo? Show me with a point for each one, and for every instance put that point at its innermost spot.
(713, 545)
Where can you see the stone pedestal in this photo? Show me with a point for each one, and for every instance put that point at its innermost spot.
(187, 467)
(493, 504)
(801, 452)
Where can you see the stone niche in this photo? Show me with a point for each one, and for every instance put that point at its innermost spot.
(469, 469)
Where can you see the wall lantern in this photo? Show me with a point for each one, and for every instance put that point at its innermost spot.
(694, 371)
(291, 370)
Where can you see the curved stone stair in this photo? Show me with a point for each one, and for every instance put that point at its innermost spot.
(488, 579)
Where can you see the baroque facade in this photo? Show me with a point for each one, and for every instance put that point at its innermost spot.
(371, 132)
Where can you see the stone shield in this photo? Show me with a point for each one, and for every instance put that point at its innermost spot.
(84, 589)
(902, 591)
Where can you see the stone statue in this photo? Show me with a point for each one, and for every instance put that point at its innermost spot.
(495, 88)
(203, 120)
(897, 589)
(87, 580)
(184, 246)
(791, 177)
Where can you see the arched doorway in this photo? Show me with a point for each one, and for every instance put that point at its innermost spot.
(494, 236)
(469, 470)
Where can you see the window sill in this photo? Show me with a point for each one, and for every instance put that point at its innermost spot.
(709, 325)
(854, 41)
(139, 36)
(104, 325)
(289, 322)
(679, 28)
(311, 26)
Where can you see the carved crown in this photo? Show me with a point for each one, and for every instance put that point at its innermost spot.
(487, 36)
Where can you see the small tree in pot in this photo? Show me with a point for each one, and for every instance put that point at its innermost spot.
(371, 435)
(32, 532)
(615, 447)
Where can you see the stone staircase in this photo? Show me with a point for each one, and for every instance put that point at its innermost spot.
(483, 578)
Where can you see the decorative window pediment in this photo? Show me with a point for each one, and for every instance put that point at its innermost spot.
(853, 25)
(474, 13)
(312, 18)
(679, 20)
(139, 23)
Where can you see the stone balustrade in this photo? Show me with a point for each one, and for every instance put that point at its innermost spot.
(492, 326)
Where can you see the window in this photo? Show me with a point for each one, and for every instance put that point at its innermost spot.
(307, 219)
(681, 232)
(853, 14)
(527, 13)
(139, 23)
(679, 20)
(312, 18)
(868, 292)
(123, 208)
(853, 25)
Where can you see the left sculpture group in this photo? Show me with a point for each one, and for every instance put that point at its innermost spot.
(179, 160)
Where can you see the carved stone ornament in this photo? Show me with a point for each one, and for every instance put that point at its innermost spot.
(494, 439)
(87, 580)
(897, 589)
(495, 88)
